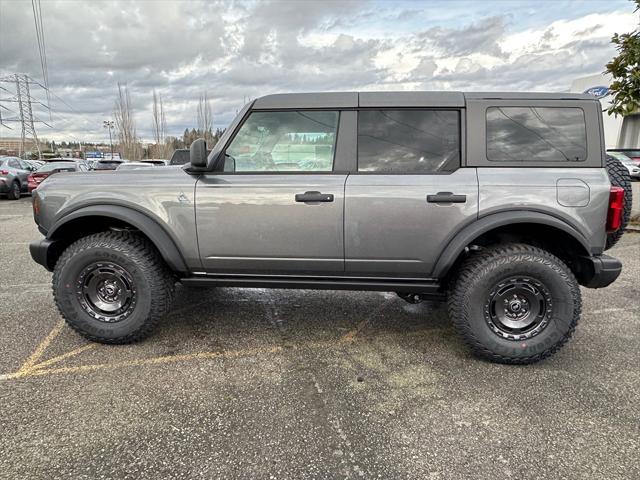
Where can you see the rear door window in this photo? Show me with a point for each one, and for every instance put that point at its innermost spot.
(408, 141)
(536, 134)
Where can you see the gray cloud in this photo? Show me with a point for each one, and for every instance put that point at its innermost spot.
(482, 36)
(238, 50)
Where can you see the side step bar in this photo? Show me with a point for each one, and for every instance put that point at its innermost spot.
(426, 287)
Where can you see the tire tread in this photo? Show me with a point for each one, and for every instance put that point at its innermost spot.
(467, 274)
(147, 259)
(619, 177)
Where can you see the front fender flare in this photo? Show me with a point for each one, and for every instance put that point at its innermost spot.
(148, 226)
(469, 233)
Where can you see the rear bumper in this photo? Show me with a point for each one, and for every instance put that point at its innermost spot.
(41, 252)
(599, 271)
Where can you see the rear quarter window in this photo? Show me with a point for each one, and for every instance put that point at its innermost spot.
(536, 134)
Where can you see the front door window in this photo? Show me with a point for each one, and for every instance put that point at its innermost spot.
(287, 141)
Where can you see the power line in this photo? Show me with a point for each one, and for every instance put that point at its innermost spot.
(37, 19)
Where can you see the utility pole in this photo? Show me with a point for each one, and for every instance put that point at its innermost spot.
(109, 125)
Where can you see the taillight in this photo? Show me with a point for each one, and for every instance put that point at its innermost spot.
(4, 172)
(616, 207)
(36, 207)
(30, 178)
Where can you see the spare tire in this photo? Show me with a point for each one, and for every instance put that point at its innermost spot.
(619, 177)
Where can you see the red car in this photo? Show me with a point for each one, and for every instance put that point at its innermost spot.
(50, 168)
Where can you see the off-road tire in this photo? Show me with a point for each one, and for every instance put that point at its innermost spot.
(482, 274)
(135, 255)
(619, 177)
(14, 191)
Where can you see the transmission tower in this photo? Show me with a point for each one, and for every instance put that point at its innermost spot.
(25, 113)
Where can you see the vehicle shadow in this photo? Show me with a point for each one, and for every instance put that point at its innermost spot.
(219, 318)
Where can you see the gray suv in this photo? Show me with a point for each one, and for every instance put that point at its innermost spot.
(14, 174)
(501, 204)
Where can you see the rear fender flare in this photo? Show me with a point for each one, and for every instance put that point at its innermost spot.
(469, 233)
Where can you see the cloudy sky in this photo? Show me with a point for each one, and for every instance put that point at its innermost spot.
(236, 50)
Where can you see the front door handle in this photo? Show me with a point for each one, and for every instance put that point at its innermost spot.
(314, 197)
(446, 197)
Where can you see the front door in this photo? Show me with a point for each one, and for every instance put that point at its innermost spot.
(278, 207)
(409, 195)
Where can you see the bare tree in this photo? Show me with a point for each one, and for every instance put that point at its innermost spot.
(159, 127)
(205, 118)
(125, 125)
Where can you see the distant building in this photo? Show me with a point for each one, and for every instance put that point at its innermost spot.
(619, 132)
(11, 145)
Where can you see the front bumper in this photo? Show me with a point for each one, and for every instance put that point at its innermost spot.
(42, 252)
(599, 271)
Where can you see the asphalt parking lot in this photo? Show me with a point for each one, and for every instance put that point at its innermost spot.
(302, 384)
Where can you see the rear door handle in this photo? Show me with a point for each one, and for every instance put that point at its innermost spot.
(314, 197)
(446, 197)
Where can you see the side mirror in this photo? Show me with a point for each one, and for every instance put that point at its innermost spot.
(198, 153)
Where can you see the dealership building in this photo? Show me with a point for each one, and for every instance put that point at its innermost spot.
(619, 132)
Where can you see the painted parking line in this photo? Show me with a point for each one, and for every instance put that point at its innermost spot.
(32, 367)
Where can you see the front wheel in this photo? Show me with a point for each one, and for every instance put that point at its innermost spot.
(112, 287)
(514, 303)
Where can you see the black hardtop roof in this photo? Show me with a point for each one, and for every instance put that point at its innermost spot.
(398, 99)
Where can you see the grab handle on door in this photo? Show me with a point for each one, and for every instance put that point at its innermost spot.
(446, 197)
(314, 197)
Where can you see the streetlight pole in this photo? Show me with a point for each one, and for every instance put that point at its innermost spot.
(108, 124)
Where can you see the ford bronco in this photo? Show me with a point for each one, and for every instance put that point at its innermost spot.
(502, 204)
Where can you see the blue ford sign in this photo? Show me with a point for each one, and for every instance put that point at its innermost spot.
(597, 92)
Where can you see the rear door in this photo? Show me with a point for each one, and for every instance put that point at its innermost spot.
(409, 195)
(278, 206)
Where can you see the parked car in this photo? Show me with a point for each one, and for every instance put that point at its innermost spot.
(13, 176)
(502, 204)
(630, 165)
(111, 164)
(49, 168)
(35, 163)
(632, 153)
(134, 165)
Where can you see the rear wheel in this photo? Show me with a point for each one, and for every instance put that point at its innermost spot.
(619, 177)
(14, 191)
(112, 287)
(514, 304)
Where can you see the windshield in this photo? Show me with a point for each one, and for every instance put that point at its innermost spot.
(622, 157)
(106, 165)
(628, 153)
